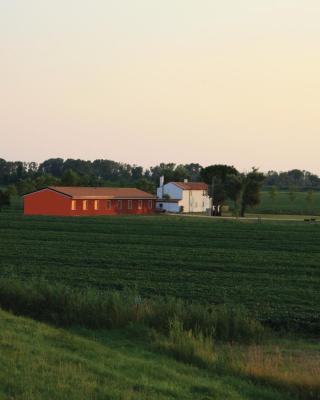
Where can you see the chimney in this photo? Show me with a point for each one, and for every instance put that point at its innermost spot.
(161, 180)
(185, 180)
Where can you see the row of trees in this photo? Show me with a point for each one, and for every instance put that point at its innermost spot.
(295, 178)
(94, 172)
(101, 172)
(225, 182)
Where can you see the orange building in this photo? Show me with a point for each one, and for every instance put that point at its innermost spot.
(76, 201)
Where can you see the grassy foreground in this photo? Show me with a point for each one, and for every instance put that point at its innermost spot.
(39, 362)
(224, 342)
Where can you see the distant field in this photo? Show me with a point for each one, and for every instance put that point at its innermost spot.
(272, 268)
(283, 205)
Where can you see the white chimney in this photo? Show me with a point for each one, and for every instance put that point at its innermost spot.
(161, 180)
(185, 180)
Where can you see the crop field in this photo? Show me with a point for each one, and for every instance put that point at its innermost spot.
(271, 268)
(283, 204)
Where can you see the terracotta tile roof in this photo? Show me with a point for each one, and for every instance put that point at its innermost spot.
(191, 185)
(102, 192)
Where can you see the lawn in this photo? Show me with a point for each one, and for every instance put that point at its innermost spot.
(39, 362)
(284, 204)
(271, 268)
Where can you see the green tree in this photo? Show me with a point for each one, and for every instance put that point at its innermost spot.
(292, 194)
(310, 199)
(146, 184)
(216, 176)
(234, 187)
(25, 186)
(252, 183)
(12, 190)
(4, 199)
(273, 193)
(70, 178)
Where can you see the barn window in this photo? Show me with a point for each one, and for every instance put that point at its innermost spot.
(85, 204)
(129, 204)
(140, 204)
(96, 204)
(73, 205)
(150, 204)
(119, 204)
(108, 204)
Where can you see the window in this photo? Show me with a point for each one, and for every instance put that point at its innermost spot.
(119, 204)
(73, 205)
(150, 204)
(139, 204)
(129, 204)
(96, 205)
(85, 204)
(108, 204)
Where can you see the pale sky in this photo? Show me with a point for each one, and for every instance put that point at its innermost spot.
(145, 81)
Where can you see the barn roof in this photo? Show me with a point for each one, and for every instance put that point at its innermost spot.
(191, 185)
(76, 192)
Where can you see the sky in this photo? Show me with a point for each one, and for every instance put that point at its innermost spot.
(149, 81)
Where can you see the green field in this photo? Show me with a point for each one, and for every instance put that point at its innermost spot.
(41, 362)
(282, 204)
(271, 268)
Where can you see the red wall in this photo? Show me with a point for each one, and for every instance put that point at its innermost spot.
(48, 202)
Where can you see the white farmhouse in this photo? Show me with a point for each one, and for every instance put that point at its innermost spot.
(184, 196)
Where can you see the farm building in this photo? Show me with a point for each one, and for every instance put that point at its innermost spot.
(183, 196)
(75, 201)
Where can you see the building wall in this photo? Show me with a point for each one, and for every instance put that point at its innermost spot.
(195, 201)
(169, 206)
(114, 209)
(191, 200)
(172, 190)
(48, 202)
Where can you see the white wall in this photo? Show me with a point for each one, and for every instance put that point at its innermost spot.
(195, 201)
(172, 190)
(169, 206)
(191, 200)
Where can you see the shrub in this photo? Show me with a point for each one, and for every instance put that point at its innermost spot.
(187, 346)
(66, 306)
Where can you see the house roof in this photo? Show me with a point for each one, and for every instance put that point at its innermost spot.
(191, 185)
(101, 192)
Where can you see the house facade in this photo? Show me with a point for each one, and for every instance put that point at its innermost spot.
(88, 201)
(184, 196)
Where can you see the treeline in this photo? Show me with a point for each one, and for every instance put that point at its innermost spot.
(293, 179)
(22, 177)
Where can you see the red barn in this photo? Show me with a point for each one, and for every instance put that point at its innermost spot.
(69, 201)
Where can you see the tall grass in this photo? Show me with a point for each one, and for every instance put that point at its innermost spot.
(91, 308)
(186, 345)
(298, 373)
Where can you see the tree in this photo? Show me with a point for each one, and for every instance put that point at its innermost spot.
(53, 166)
(273, 193)
(292, 193)
(25, 186)
(234, 187)
(310, 198)
(251, 188)
(146, 184)
(216, 176)
(70, 178)
(4, 199)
